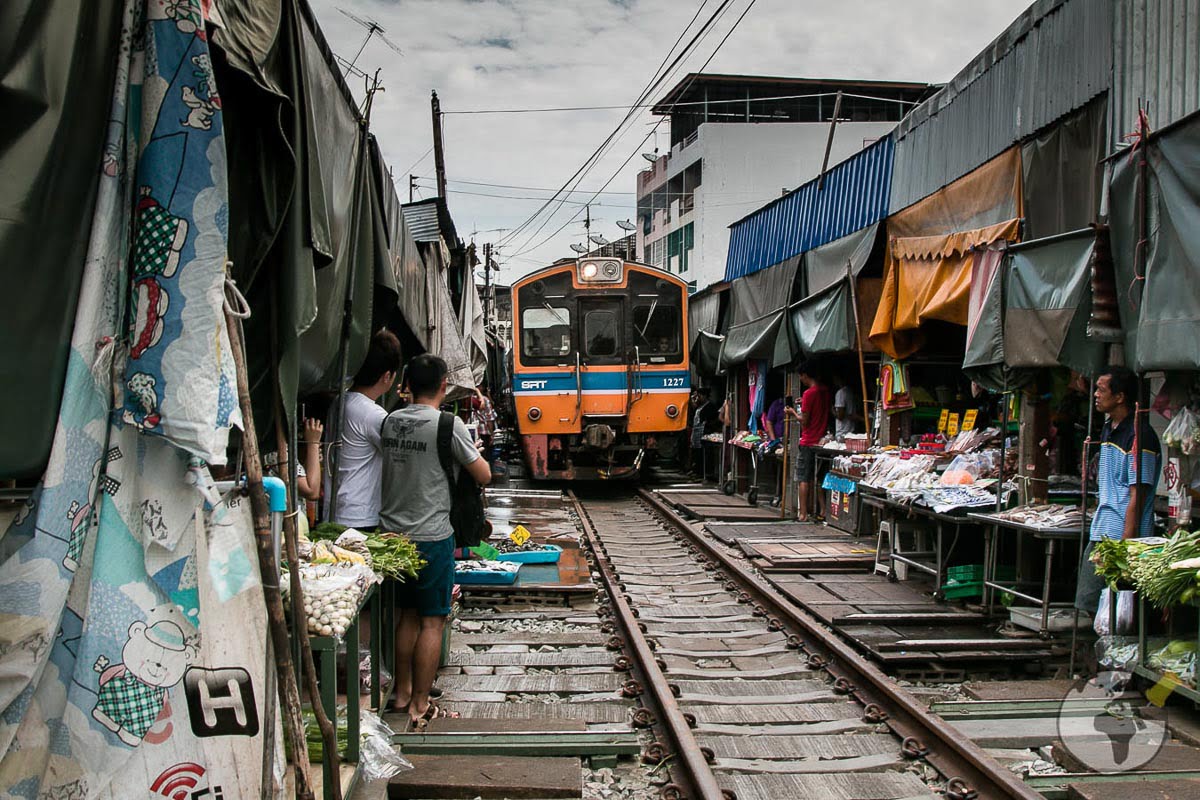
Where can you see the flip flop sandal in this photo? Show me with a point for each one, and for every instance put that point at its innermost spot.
(432, 713)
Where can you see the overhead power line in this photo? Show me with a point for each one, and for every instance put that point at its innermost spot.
(738, 101)
(650, 87)
(612, 177)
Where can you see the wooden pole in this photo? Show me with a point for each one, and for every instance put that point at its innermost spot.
(862, 366)
(837, 109)
(291, 542)
(293, 722)
(439, 154)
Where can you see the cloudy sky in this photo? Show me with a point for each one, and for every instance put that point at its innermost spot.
(521, 54)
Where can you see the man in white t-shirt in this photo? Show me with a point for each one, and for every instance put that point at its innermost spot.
(359, 457)
(845, 410)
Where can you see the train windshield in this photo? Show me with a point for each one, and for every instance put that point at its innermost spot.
(656, 328)
(545, 331)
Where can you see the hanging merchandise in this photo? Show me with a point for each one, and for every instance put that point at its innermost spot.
(756, 372)
(893, 377)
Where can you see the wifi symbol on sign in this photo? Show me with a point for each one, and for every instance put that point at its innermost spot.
(177, 782)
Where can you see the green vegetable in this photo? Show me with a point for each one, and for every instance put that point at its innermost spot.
(1153, 577)
(394, 556)
(1112, 559)
(326, 530)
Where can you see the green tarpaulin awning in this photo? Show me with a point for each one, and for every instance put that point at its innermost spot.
(1047, 303)
(1160, 308)
(824, 322)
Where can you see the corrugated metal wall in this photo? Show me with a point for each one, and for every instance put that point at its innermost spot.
(1156, 55)
(1051, 60)
(855, 195)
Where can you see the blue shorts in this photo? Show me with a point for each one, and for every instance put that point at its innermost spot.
(430, 592)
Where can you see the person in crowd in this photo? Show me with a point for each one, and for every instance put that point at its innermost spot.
(1125, 501)
(773, 419)
(416, 501)
(847, 413)
(815, 405)
(359, 465)
(705, 420)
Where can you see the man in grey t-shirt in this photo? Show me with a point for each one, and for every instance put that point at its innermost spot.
(415, 501)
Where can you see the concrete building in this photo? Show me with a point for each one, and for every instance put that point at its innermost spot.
(730, 152)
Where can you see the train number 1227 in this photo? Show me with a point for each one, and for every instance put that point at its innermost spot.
(673, 383)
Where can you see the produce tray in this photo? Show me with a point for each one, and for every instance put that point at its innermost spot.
(1059, 619)
(485, 578)
(548, 556)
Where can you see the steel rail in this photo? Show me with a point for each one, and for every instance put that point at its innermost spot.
(694, 766)
(969, 771)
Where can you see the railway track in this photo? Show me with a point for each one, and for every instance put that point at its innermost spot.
(751, 697)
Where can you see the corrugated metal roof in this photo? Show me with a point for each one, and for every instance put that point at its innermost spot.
(1156, 59)
(1054, 58)
(422, 219)
(855, 195)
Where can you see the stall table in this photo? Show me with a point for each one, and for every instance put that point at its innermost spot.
(1047, 535)
(873, 497)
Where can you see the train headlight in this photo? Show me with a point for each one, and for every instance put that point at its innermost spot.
(534, 414)
(611, 270)
(672, 411)
(589, 271)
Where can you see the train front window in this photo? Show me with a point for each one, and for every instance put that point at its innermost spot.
(545, 331)
(656, 329)
(600, 332)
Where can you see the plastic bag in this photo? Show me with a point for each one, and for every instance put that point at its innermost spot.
(1183, 433)
(1117, 652)
(1125, 622)
(967, 468)
(378, 758)
(364, 674)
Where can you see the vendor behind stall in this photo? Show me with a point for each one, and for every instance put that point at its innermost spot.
(815, 406)
(847, 412)
(1120, 493)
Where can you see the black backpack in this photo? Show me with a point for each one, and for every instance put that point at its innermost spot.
(470, 525)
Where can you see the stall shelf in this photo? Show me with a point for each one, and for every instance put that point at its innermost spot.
(1050, 537)
(1153, 674)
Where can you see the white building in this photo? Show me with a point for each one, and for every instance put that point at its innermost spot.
(730, 154)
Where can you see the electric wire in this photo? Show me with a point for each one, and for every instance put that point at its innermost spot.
(611, 178)
(656, 78)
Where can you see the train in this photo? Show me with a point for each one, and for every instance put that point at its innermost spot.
(600, 373)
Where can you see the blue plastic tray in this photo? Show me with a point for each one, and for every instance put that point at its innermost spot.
(485, 577)
(549, 556)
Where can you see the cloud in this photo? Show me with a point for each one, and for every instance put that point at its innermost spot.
(550, 53)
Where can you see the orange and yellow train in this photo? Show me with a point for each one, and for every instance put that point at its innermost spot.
(600, 367)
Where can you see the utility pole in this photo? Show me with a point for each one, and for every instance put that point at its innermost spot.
(487, 283)
(837, 110)
(439, 155)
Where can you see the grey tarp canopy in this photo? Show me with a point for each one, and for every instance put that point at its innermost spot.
(1047, 303)
(57, 53)
(407, 266)
(473, 336)
(983, 361)
(758, 317)
(826, 265)
(445, 338)
(1160, 310)
(704, 310)
(823, 322)
(706, 354)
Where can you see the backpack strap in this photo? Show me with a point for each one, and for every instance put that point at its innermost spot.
(445, 430)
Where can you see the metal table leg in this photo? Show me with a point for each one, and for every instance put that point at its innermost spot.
(375, 650)
(1045, 632)
(329, 701)
(353, 695)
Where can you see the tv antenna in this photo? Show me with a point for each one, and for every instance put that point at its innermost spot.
(626, 225)
(578, 248)
(372, 28)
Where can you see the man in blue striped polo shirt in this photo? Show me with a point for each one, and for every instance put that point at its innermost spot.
(1121, 493)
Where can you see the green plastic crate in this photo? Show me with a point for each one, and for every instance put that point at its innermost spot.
(955, 590)
(965, 573)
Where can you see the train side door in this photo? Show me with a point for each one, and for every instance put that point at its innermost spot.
(602, 345)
